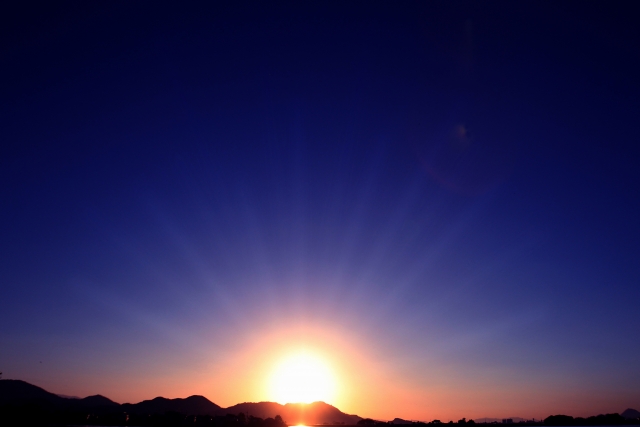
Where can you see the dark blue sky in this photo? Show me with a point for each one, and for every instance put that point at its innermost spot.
(454, 183)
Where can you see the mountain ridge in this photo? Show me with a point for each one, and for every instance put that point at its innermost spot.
(630, 414)
(18, 392)
(195, 405)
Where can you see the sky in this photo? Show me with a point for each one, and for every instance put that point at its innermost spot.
(437, 200)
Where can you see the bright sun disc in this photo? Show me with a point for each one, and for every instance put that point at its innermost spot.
(302, 378)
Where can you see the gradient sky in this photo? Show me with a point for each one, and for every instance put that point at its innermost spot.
(439, 199)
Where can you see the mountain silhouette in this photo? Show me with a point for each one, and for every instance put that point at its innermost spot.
(631, 414)
(295, 413)
(16, 393)
(400, 421)
(97, 401)
(192, 405)
(257, 409)
(26, 404)
(316, 413)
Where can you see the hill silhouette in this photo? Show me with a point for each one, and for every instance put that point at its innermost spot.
(400, 421)
(18, 396)
(257, 409)
(194, 405)
(97, 401)
(18, 391)
(22, 403)
(296, 413)
(316, 413)
(631, 414)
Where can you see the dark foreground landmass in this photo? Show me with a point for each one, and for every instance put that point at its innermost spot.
(23, 404)
(628, 417)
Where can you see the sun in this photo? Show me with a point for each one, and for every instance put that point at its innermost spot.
(302, 377)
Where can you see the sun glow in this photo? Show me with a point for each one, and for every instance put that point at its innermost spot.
(302, 378)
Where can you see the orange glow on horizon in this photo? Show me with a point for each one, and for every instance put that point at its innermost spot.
(369, 381)
(289, 364)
